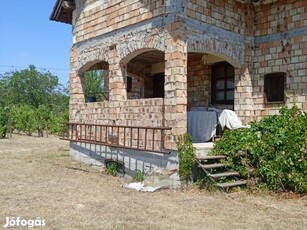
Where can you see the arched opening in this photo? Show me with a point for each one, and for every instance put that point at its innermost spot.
(211, 81)
(95, 81)
(145, 75)
(210, 89)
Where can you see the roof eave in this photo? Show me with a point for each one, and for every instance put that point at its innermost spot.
(62, 11)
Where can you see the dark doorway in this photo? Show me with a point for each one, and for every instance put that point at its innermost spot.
(158, 85)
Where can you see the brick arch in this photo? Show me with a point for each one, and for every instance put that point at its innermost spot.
(139, 43)
(230, 52)
(94, 65)
(93, 58)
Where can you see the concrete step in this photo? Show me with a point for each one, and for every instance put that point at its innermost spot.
(231, 184)
(202, 149)
(224, 174)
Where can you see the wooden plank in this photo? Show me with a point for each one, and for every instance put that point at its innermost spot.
(211, 166)
(231, 184)
(216, 157)
(224, 174)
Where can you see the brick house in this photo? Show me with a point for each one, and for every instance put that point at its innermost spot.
(165, 57)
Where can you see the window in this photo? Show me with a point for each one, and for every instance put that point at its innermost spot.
(274, 86)
(222, 83)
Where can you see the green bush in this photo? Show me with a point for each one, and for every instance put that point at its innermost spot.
(138, 176)
(271, 152)
(56, 124)
(23, 118)
(27, 119)
(186, 156)
(112, 168)
(3, 121)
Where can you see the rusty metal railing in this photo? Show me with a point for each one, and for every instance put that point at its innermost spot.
(144, 138)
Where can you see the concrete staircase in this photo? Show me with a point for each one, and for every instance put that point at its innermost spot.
(217, 172)
(202, 149)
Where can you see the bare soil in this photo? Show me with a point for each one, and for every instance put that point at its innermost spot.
(38, 179)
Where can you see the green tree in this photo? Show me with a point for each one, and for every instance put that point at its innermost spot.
(28, 86)
(35, 101)
(94, 84)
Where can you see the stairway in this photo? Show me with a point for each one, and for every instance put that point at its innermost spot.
(217, 171)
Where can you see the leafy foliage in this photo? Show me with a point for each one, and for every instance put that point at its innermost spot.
(138, 176)
(23, 119)
(112, 168)
(28, 86)
(186, 157)
(271, 152)
(3, 121)
(33, 101)
(94, 84)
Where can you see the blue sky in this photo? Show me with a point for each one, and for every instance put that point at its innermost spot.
(28, 37)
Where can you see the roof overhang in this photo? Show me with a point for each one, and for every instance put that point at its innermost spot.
(62, 11)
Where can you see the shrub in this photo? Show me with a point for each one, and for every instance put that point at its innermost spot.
(186, 157)
(3, 121)
(138, 176)
(57, 121)
(23, 118)
(112, 169)
(271, 152)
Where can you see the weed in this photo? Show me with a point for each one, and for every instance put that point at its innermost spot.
(112, 168)
(138, 176)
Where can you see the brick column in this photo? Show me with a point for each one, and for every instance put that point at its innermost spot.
(76, 92)
(175, 80)
(244, 99)
(117, 87)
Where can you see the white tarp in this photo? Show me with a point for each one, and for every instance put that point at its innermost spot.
(139, 186)
(158, 178)
(229, 119)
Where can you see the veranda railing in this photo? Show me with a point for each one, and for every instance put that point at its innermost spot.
(144, 138)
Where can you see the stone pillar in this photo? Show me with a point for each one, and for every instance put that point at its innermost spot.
(117, 80)
(76, 92)
(243, 98)
(175, 79)
(244, 102)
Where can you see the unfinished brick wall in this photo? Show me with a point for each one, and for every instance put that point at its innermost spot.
(100, 17)
(199, 83)
(254, 39)
(285, 50)
(141, 112)
(273, 37)
(225, 14)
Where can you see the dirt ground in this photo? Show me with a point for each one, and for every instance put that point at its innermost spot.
(38, 179)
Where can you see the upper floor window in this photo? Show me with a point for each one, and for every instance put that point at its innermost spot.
(222, 83)
(274, 87)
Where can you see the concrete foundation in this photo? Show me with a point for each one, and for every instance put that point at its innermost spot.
(133, 160)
